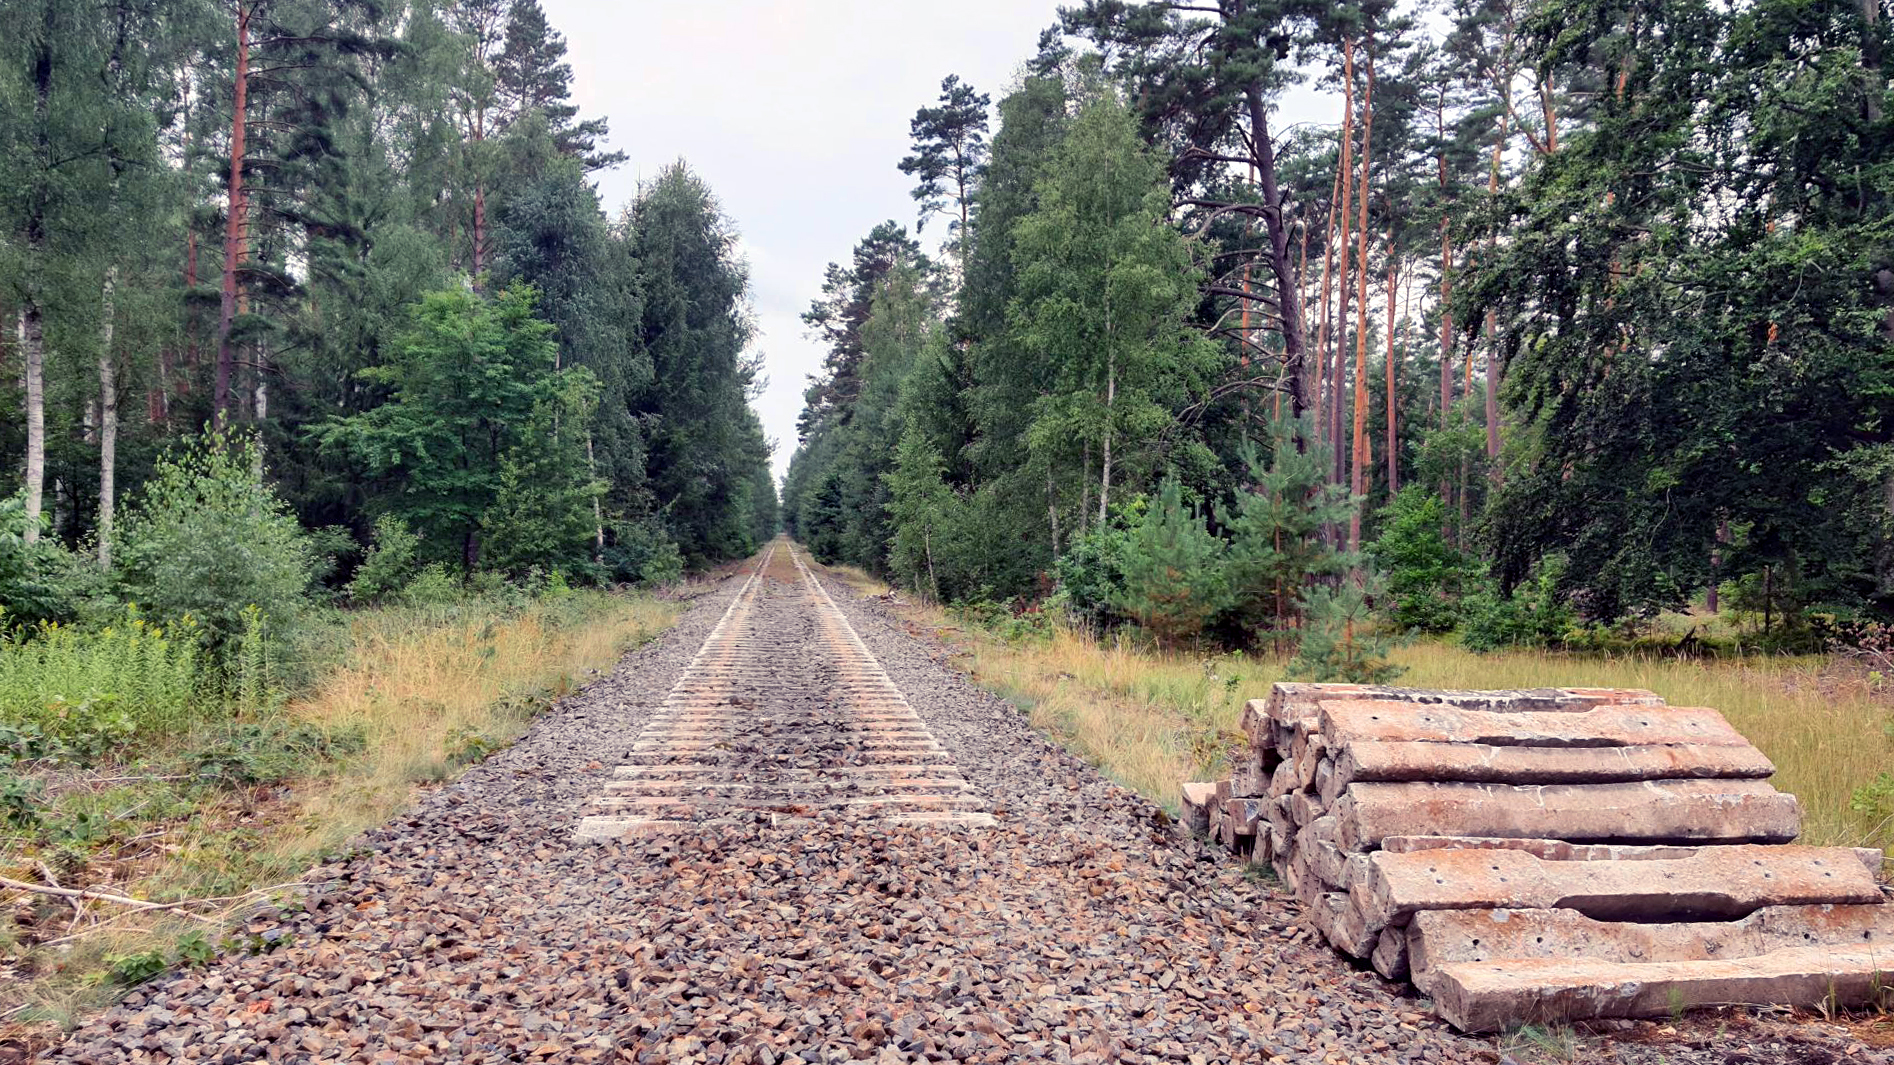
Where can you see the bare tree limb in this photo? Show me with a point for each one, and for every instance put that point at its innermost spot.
(80, 893)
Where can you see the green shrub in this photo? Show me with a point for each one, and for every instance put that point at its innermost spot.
(1535, 615)
(130, 970)
(19, 801)
(638, 553)
(64, 688)
(1875, 799)
(43, 581)
(1012, 621)
(390, 564)
(269, 751)
(1173, 570)
(433, 586)
(1425, 575)
(1340, 642)
(1091, 571)
(206, 540)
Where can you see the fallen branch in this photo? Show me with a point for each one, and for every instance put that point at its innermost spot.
(98, 925)
(81, 893)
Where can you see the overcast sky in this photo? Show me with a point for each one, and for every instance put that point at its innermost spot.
(796, 113)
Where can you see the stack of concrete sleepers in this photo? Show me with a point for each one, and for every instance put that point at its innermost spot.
(1548, 855)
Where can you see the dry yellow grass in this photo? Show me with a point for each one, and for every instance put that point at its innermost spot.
(1152, 720)
(425, 695)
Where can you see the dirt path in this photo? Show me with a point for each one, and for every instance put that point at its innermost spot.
(1081, 927)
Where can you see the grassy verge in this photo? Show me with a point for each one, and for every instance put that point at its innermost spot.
(230, 811)
(1151, 720)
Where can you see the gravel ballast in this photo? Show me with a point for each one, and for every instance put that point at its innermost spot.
(1084, 927)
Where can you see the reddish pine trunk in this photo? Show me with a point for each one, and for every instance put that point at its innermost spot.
(1338, 374)
(1322, 382)
(1394, 451)
(1358, 482)
(233, 227)
(479, 233)
(1492, 330)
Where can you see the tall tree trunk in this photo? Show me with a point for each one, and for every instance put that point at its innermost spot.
(1551, 119)
(598, 509)
(1085, 486)
(480, 200)
(1446, 275)
(1111, 400)
(1338, 376)
(1394, 440)
(234, 243)
(1052, 509)
(108, 418)
(480, 236)
(193, 321)
(33, 348)
(1358, 482)
(1446, 354)
(1288, 299)
(261, 398)
(32, 313)
(1871, 58)
(1302, 272)
(1322, 343)
(1492, 322)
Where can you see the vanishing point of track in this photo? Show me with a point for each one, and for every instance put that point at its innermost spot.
(783, 714)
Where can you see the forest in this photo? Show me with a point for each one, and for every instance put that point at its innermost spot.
(309, 298)
(339, 412)
(1573, 315)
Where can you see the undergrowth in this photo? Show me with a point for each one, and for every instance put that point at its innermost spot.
(1151, 719)
(160, 793)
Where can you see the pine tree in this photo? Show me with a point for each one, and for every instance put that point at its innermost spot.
(1340, 640)
(950, 154)
(1276, 526)
(1172, 569)
(531, 75)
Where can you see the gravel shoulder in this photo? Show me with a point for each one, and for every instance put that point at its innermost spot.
(1085, 927)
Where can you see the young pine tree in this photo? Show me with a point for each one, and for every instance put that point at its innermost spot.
(1340, 640)
(1277, 547)
(1173, 571)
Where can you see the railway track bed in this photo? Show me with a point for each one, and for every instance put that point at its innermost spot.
(773, 883)
(783, 714)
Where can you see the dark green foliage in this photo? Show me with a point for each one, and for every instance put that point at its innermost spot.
(207, 541)
(1534, 614)
(1172, 576)
(1279, 532)
(949, 153)
(473, 394)
(531, 76)
(1091, 571)
(544, 513)
(1340, 642)
(1426, 578)
(1694, 297)
(391, 562)
(924, 513)
(705, 443)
